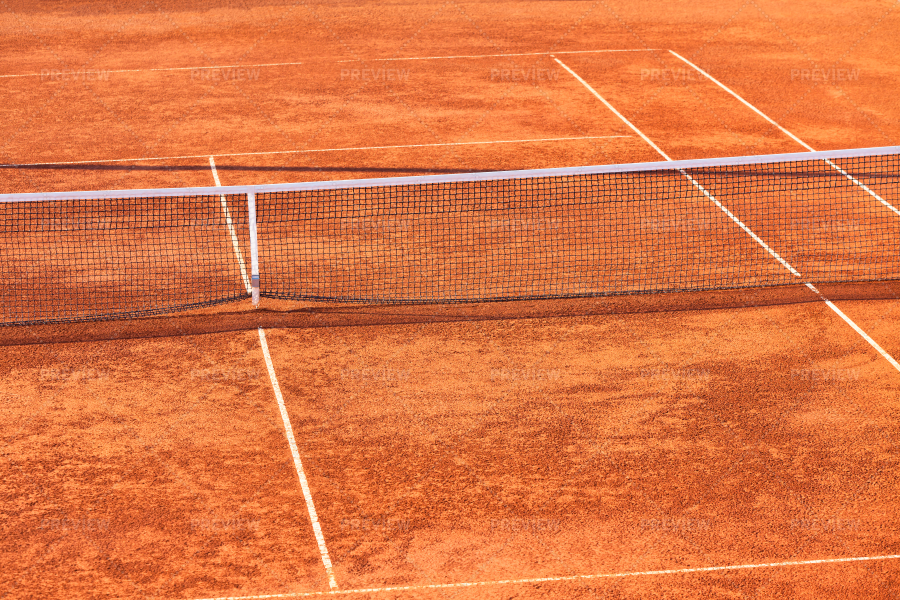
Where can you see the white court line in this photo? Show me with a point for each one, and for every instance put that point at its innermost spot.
(864, 187)
(289, 431)
(856, 328)
(683, 172)
(292, 442)
(234, 239)
(610, 107)
(742, 101)
(313, 60)
(785, 131)
(402, 58)
(152, 69)
(436, 586)
(746, 229)
(118, 160)
(741, 224)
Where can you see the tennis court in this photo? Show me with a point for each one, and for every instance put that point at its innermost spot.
(491, 375)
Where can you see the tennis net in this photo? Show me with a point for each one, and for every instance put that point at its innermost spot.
(826, 217)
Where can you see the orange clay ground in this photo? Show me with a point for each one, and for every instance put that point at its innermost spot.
(566, 450)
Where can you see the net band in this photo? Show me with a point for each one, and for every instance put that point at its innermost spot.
(553, 233)
(674, 165)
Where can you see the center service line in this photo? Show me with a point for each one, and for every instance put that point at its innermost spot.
(292, 442)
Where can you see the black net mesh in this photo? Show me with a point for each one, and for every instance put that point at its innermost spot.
(585, 235)
(462, 241)
(112, 258)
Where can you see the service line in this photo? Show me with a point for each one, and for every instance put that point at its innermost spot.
(120, 160)
(357, 60)
(565, 578)
(149, 70)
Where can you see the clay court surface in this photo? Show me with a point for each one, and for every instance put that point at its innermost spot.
(737, 444)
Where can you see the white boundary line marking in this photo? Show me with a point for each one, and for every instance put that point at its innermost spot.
(742, 101)
(740, 223)
(234, 239)
(401, 588)
(548, 53)
(856, 328)
(118, 160)
(746, 229)
(148, 70)
(864, 187)
(785, 131)
(292, 442)
(314, 60)
(610, 107)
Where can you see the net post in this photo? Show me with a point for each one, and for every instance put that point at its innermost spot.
(254, 248)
